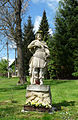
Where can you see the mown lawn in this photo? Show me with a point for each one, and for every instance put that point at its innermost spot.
(64, 98)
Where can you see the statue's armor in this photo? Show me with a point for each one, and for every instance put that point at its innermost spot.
(38, 60)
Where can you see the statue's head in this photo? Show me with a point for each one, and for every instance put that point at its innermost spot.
(38, 36)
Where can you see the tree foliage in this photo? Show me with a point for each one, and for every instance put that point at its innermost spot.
(28, 37)
(10, 25)
(44, 27)
(66, 39)
(3, 66)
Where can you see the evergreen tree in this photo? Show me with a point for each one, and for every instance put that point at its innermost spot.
(44, 27)
(28, 36)
(66, 39)
(51, 63)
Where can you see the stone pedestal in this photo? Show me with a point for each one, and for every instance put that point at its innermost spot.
(38, 98)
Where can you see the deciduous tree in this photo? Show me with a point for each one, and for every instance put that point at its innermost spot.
(10, 25)
(3, 66)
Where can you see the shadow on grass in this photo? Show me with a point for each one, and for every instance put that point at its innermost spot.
(21, 87)
(7, 102)
(55, 82)
(59, 106)
(9, 111)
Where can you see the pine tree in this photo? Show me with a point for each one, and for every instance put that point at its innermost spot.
(44, 27)
(66, 37)
(51, 63)
(28, 36)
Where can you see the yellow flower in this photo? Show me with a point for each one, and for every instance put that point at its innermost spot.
(32, 103)
(37, 104)
(61, 107)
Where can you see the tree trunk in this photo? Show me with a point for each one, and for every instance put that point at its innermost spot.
(22, 78)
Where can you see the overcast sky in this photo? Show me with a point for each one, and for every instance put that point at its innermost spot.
(35, 10)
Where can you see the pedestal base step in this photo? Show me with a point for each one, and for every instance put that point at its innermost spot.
(39, 109)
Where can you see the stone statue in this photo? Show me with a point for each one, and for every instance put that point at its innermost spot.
(38, 96)
(38, 61)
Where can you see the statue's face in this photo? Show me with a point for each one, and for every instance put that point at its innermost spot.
(38, 36)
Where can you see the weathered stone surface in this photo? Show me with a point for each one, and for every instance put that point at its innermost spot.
(38, 88)
(31, 98)
(38, 95)
(46, 95)
(38, 61)
(29, 94)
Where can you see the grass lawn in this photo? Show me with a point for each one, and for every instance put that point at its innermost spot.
(64, 98)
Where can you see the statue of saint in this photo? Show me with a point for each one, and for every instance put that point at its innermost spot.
(38, 61)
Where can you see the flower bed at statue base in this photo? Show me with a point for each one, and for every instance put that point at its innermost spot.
(38, 98)
(38, 108)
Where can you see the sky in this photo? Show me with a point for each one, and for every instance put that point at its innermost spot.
(35, 10)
